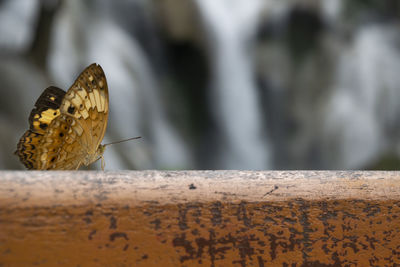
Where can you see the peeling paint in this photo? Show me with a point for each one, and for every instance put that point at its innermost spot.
(275, 230)
(292, 233)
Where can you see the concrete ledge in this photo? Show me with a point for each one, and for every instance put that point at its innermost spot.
(200, 218)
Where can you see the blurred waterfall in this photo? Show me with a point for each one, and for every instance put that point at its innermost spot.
(17, 23)
(362, 119)
(230, 27)
(295, 84)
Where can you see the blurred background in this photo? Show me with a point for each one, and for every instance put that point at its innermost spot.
(216, 84)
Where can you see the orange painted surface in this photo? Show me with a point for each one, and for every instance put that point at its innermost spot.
(267, 233)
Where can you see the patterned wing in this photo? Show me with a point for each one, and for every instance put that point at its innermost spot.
(47, 108)
(27, 147)
(73, 138)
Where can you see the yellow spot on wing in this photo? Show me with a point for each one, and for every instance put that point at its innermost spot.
(98, 101)
(48, 115)
(82, 94)
(78, 129)
(76, 101)
(88, 104)
(103, 101)
(92, 100)
(85, 114)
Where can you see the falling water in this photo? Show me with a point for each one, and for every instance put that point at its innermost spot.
(17, 23)
(338, 105)
(362, 118)
(230, 26)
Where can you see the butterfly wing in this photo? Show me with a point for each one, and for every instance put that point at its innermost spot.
(87, 103)
(47, 108)
(73, 138)
(27, 147)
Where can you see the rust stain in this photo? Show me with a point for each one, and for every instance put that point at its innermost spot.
(287, 233)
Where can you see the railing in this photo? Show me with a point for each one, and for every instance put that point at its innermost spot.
(200, 218)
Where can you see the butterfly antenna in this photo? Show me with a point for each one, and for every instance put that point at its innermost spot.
(113, 143)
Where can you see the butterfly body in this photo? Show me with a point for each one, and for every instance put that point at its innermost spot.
(66, 128)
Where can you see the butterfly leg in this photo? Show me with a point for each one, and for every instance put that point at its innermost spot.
(77, 167)
(103, 163)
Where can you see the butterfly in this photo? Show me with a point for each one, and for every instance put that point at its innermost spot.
(66, 128)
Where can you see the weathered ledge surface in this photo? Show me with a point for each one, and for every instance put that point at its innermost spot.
(200, 218)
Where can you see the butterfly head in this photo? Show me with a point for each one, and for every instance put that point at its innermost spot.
(93, 157)
(101, 149)
(99, 152)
